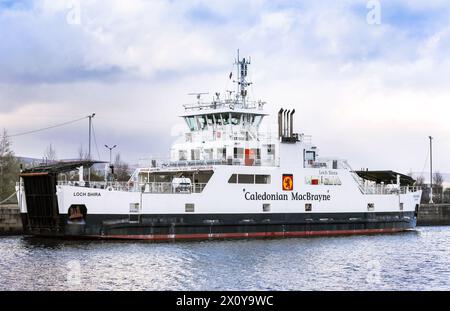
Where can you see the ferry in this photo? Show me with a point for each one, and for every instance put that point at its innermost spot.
(225, 178)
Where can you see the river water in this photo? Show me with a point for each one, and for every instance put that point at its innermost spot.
(416, 260)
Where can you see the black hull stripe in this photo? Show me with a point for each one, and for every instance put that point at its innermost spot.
(210, 226)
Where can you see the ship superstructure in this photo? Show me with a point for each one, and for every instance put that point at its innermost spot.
(225, 178)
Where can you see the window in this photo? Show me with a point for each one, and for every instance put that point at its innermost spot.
(195, 154)
(308, 207)
(134, 208)
(310, 156)
(370, 207)
(226, 118)
(182, 155)
(262, 179)
(208, 154)
(235, 119)
(266, 207)
(210, 119)
(233, 179)
(134, 212)
(221, 153)
(257, 120)
(191, 123)
(249, 179)
(238, 153)
(271, 149)
(246, 179)
(218, 118)
(202, 122)
(189, 208)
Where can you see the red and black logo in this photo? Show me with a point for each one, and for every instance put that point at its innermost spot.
(288, 182)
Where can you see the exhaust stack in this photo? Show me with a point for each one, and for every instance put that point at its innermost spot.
(280, 122)
(286, 126)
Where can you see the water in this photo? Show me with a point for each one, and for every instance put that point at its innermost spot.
(417, 260)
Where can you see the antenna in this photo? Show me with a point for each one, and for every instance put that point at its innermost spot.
(242, 72)
(229, 93)
(198, 95)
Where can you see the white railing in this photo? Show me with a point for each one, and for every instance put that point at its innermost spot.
(389, 189)
(183, 165)
(149, 187)
(227, 103)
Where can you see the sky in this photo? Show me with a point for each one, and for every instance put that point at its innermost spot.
(370, 80)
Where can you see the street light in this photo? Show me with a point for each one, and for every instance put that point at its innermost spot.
(431, 169)
(110, 152)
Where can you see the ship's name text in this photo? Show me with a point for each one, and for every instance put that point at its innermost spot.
(294, 196)
(87, 194)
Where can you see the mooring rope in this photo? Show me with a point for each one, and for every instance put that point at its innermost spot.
(8, 198)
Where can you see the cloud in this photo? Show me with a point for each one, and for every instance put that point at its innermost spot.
(358, 88)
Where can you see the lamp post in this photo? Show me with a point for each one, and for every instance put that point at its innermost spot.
(90, 127)
(431, 170)
(110, 157)
(110, 152)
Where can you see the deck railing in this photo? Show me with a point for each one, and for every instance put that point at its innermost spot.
(388, 189)
(149, 187)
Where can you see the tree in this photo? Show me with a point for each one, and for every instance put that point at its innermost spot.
(420, 181)
(82, 154)
(9, 167)
(50, 154)
(438, 180)
(121, 169)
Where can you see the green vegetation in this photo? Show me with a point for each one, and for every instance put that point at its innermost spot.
(9, 168)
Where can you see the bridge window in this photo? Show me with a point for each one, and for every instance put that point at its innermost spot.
(257, 120)
(218, 119)
(210, 119)
(191, 123)
(226, 118)
(202, 122)
(235, 119)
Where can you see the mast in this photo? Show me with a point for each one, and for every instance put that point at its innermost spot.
(242, 83)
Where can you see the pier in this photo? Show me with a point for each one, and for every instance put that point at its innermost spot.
(434, 215)
(10, 221)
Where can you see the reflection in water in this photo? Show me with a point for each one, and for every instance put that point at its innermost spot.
(416, 260)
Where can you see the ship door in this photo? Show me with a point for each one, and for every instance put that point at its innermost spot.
(249, 157)
(135, 212)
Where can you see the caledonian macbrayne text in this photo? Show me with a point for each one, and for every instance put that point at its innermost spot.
(264, 196)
